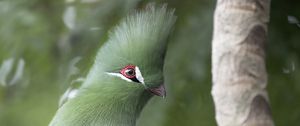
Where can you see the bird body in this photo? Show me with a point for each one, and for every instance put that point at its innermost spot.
(127, 72)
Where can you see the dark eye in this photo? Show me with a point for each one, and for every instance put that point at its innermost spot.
(130, 72)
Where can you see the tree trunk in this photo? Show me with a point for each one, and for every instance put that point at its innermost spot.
(238, 63)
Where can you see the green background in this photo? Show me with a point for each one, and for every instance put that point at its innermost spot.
(34, 31)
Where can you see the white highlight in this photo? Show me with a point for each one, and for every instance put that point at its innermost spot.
(69, 94)
(73, 93)
(69, 17)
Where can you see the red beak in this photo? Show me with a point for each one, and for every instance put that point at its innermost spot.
(159, 91)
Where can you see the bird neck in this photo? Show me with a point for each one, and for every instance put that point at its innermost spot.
(103, 101)
(114, 106)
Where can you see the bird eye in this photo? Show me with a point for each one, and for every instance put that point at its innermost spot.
(130, 72)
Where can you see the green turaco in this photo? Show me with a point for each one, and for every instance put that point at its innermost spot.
(127, 72)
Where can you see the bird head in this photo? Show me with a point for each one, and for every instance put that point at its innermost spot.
(135, 50)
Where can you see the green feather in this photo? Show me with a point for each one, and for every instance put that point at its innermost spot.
(104, 100)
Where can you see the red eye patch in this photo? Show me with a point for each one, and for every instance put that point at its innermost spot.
(128, 71)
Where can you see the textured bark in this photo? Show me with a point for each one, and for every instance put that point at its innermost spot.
(238, 61)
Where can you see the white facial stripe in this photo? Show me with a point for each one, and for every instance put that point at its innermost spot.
(138, 75)
(119, 75)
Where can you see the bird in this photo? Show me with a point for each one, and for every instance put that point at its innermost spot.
(127, 72)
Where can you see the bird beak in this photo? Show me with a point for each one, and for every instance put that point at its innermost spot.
(159, 91)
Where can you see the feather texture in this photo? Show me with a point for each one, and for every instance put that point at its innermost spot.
(104, 100)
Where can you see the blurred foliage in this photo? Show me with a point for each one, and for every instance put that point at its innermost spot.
(57, 42)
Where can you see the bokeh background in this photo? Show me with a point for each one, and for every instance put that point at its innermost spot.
(46, 44)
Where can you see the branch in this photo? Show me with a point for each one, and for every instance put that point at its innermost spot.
(238, 63)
